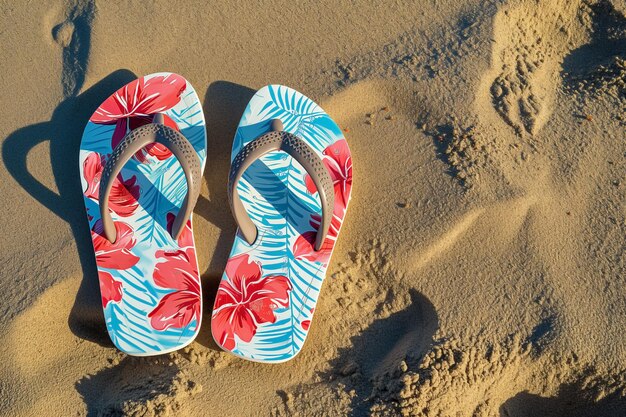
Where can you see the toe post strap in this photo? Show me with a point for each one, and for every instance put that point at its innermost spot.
(155, 132)
(279, 140)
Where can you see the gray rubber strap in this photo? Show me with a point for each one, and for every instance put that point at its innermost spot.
(301, 152)
(124, 151)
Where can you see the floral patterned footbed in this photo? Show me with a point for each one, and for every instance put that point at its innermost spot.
(149, 283)
(269, 290)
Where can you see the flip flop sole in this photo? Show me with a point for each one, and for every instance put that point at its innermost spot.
(149, 282)
(268, 292)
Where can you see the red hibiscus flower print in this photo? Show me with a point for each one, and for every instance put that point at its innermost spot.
(303, 248)
(178, 271)
(135, 104)
(124, 193)
(114, 255)
(338, 162)
(307, 323)
(110, 289)
(245, 300)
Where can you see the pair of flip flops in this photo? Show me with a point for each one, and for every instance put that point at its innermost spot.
(142, 156)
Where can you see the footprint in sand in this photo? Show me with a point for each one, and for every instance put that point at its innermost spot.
(528, 41)
(62, 33)
(74, 36)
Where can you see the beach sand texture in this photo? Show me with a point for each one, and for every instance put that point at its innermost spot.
(481, 270)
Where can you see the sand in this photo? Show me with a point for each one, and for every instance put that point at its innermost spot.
(481, 270)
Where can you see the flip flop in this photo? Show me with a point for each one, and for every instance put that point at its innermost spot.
(289, 207)
(141, 160)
